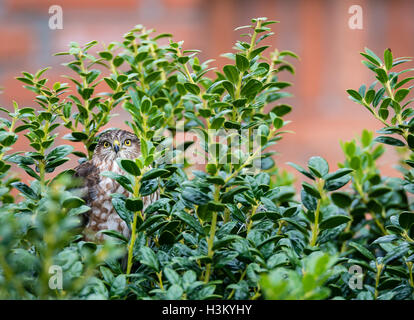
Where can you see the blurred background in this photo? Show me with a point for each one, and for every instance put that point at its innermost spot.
(317, 30)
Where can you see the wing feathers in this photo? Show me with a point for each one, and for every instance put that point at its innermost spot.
(89, 174)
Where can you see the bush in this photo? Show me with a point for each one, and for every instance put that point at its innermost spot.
(234, 229)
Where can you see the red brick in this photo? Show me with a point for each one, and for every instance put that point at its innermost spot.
(16, 41)
(312, 23)
(182, 3)
(221, 36)
(43, 5)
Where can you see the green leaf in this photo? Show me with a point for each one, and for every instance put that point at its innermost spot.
(19, 159)
(105, 55)
(410, 141)
(229, 87)
(385, 239)
(382, 75)
(148, 187)
(403, 82)
(149, 258)
(174, 292)
(119, 285)
(130, 166)
(337, 183)
(362, 250)
(224, 241)
(281, 110)
(406, 219)
(228, 196)
(134, 204)
(107, 274)
(318, 166)
(40, 72)
(242, 63)
(195, 196)
(388, 59)
(150, 221)
(366, 138)
(373, 56)
(79, 135)
(118, 61)
(390, 140)
(296, 224)
(401, 94)
(310, 189)
(22, 261)
(232, 74)
(190, 221)
(25, 80)
(338, 174)
(354, 94)
(153, 76)
(257, 51)
(215, 206)
(369, 96)
(59, 152)
(183, 60)
(288, 53)
(341, 199)
(120, 208)
(26, 190)
(92, 75)
(251, 88)
(7, 138)
(192, 88)
(334, 221)
(217, 123)
(172, 276)
(400, 251)
(383, 113)
(378, 191)
(166, 237)
(52, 164)
(301, 170)
(154, 173)
(72, 202)
(308, 201)
(111, 83)
(114, 234)
(378, 96)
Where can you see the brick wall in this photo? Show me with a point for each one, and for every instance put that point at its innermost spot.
(317, 30)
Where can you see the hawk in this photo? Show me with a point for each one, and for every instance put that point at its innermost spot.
(96, 189)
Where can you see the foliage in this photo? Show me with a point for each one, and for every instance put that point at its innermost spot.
(232, 229)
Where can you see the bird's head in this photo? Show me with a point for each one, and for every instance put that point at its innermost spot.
(113, 144)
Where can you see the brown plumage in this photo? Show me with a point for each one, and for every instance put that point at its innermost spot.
(96, 190)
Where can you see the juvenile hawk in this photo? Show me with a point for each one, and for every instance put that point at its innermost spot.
(96, 189)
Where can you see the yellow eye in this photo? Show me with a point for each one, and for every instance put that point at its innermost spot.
(106, 144)
(127, 142)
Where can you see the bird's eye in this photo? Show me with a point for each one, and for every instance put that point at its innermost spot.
(127, 142)
(106, 144)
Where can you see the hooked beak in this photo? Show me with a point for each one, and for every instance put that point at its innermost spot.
(116, 146)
